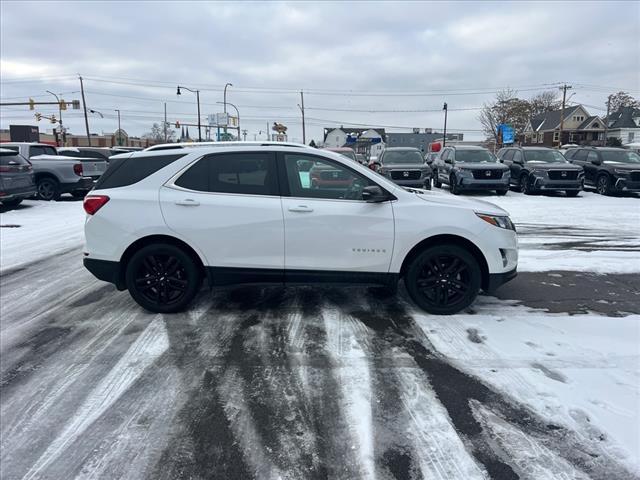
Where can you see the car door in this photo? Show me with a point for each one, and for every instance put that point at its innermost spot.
(228, 206)
(517, 164)
(507, 159)
(591, 167)
(328, 227)
(580, 158)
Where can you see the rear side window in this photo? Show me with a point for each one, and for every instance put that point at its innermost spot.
(580, 155)
(92, 154)
(243, 173)
(569, 153)
(127, 171)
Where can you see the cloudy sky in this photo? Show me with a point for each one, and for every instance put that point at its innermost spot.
(365, 63)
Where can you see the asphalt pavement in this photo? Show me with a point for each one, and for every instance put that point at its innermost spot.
(264, 382)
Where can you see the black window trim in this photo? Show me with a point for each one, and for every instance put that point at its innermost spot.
(284, 181)
(171, 183)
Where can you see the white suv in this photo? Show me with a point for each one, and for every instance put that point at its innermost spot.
(160, 222)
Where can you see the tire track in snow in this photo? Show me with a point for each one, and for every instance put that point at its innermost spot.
(149, 346)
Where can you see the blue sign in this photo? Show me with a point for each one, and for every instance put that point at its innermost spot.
(507, 133)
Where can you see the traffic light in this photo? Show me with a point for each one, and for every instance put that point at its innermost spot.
(32, 104)
(63, 105)
(38, 116)
(177, 124)
(53, 119)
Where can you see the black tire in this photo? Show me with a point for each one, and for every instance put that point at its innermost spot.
(162, 278)
(603, 184)
(79, 194)
(526, 186)
(436, 180)
(427, 184)
(12, 203)
(572, 193)
(453, 186)
(502, 192)
(48, 189)
(443, 279)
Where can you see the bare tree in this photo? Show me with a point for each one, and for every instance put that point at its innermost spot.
(157, 133)
(622, 99)
(547, 101)
(506, 108)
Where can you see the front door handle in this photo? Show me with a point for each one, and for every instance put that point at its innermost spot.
(301, 208)
(188, 202)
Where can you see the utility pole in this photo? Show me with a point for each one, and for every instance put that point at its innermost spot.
(564, 89)
(59, 121)
(304, 137)
(267, 131)
(225, 109)
(444, 137)
(84, 106)
(165, 122)
(244, 134)
(606, 120)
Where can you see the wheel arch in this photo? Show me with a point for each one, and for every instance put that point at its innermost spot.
(149, 240)
(449, 239)
(40, 175)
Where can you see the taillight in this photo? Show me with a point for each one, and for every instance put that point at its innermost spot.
(77, 169)
(93, 203)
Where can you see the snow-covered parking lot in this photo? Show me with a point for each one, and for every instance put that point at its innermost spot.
(541, 381)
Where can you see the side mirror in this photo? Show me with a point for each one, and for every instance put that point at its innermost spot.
(374, 194)
(596, 161)
(448, 160)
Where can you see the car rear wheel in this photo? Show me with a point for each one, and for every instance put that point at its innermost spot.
(162, 278)
(48, 189)
(443, 279)
(603, 185)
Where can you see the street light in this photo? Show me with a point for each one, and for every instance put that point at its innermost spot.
(197, 92)
(237, 115)
(60, 112)
(97, 113)
(225, 105)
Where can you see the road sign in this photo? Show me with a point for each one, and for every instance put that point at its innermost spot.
(222, 119)
(507, 133)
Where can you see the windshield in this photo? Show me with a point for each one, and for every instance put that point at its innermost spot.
(544, 156)
(475, 156)
(619, 156)
(401, 156)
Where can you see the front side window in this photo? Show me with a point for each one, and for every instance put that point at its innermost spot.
(592, 157)
(241, 173)
(580, 155)
(517, 156)
(508, 155)
(315, 177)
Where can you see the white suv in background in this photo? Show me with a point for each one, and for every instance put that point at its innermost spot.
(160, 222)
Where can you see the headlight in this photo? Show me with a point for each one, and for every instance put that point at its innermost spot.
(463, 171)
(538, 172)
(621, 172)
(501, 221)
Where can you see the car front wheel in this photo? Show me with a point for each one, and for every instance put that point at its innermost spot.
(436, 180)
(603, 185)
(453, 185)
(48, 189)
(162, 278)
(443, 279)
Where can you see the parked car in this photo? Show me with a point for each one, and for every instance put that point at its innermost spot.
(57, 174)
(16, 178)
(607, 169)
(158, 223)
(470, 168)
(346, 151)
(538, 169)
(404, 166)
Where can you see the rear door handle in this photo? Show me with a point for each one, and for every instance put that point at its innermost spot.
(188, 202)
(301, 208)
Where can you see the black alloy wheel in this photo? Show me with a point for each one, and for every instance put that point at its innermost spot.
(526, 184)
(443, 279)
(162, 278)
(48, 189)
(427, 184)
(603, 185)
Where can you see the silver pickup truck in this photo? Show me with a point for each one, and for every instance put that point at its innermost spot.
(57, 174)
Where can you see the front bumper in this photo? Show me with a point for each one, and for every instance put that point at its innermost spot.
(626, 185)
(473, 184)
(542, 183)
